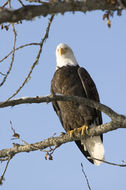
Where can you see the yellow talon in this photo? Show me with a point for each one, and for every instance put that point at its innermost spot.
(71, 133)
(79, 129)
(82, 129)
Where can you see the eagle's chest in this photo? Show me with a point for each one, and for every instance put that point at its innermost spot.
(71, 115)
(68, 83)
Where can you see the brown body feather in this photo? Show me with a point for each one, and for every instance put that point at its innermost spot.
(74, 80)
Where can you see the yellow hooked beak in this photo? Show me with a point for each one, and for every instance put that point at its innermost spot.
(62, 51)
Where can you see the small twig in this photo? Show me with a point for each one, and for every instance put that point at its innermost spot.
(36, 60)
(5, 4)
(106, 162)
(22, 46)
(85, 177)
(124, 161)
(25, 143)
(2, 74)
(21, 3)
(2, 176)
(12, 58)
(36, 1)
(3, 159)
(50, 152)
(17, 136)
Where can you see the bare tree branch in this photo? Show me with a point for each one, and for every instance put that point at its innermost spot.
(40, 99)
(2, 176)
(53, 141)
(36, 60)
(106, 162)
(12, 58)
(5, 4)
(85, 177)
(8, 154)
(36, 1)
(30, 11)
(118, 121)
(20, 47)
(2, 74)
(21, 2)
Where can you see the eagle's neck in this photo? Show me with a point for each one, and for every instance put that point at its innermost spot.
(62, 61)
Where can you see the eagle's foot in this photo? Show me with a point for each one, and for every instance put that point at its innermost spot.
(71, 133)
(82, 129)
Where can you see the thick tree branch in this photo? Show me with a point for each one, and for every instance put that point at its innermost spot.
(40, 99)
(118, 121)
(30, 11)
(57, 141)
(7, 154)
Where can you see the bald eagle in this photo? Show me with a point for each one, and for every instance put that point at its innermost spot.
(70, 79)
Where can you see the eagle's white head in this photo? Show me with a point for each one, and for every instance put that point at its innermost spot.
(65, 56)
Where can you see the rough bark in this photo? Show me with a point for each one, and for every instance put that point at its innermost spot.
(40, 99)
(30, 11)
(117, 121)
(57, 141)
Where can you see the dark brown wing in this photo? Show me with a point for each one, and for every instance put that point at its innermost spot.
(91, 93)
(56, 107)
(90, 89)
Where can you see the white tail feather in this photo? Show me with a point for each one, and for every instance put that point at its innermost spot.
(95, 148)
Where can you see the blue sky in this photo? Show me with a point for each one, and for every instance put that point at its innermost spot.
(102, 52)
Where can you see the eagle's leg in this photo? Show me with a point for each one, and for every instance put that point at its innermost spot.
(82, 129)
